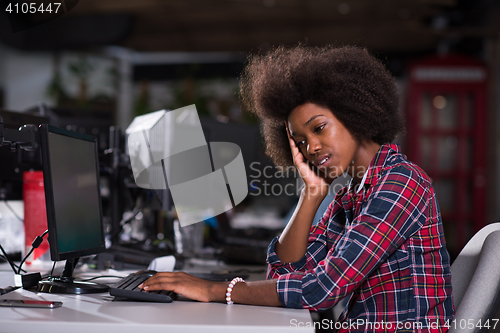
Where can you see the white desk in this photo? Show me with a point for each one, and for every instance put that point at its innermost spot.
(98, 313)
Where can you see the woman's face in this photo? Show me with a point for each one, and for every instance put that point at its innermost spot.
(322, 139)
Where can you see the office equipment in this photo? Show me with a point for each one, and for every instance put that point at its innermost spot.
(97, 313)
(11, 224)
(7, 290)
(475, 278)
(168, 150)
(244, 246)
(15, 161)
(35, 217)
(73, 202)
(128, 288)
(19, 303)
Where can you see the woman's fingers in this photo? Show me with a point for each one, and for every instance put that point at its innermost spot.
(160, 280)
(181, 283)
(308, 175)
(293, 147)
(298, 158)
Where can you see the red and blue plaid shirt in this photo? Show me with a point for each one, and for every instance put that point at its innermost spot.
(383, 246)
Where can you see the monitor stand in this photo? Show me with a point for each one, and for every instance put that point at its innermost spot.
(66, 284)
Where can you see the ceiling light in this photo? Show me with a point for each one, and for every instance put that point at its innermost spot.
(439, 102)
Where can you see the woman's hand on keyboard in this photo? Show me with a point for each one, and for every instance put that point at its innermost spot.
(187, 286)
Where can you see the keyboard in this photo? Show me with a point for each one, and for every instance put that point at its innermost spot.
(128, 288)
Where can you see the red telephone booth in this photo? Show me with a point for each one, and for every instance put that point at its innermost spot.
(446, 136)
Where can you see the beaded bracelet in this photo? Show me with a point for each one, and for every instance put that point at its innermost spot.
(229, 289)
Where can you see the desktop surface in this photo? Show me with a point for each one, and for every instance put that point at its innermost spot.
(99, 313)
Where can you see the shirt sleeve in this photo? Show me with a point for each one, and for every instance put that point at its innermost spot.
(393, 212)
(320, 240)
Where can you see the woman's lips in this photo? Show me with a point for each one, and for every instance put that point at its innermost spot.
(322, 161)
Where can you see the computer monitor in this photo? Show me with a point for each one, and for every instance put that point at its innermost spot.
(73, 202)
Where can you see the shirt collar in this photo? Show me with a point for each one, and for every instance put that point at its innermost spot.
(372, 174)
(362, 182)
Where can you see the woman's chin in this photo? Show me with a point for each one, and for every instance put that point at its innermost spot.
(331, 172)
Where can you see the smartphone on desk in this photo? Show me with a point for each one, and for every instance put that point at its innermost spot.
(29, 303)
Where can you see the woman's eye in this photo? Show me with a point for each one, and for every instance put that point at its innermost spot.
(319, 128)
(299, 143)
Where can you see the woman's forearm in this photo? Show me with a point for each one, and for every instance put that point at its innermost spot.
(251, 293)
(292, 244)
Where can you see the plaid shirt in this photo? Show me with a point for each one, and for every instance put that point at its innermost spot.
(383, 245)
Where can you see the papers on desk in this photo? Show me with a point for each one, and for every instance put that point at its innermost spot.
(162, 264)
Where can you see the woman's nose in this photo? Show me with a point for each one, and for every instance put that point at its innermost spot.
(313, 146)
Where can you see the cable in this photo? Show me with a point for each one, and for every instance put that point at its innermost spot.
(12, 210)
(102, 276)
(52, 271)
(3, 257)
(36, 243)
(7, 258)
(14, 266)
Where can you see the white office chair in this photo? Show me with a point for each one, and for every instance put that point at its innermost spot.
(475, 278)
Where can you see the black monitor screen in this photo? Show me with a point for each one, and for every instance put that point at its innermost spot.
(71, 182)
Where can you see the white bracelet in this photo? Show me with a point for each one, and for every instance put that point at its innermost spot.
(229, 289)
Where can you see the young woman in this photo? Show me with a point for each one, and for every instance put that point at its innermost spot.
(381, 243)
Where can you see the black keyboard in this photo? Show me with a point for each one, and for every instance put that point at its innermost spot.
(128, 287)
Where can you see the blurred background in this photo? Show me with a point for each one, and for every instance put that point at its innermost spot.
(105, 62)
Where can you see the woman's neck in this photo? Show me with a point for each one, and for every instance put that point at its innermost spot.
(364, 156)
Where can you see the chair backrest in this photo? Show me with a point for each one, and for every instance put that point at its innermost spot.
(476, 280)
